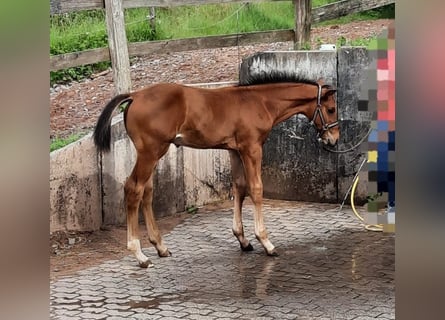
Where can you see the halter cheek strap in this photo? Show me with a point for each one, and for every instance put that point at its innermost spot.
(317, 112)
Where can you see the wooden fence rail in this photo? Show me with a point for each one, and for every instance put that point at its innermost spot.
(119, 49)
(73, 59)
(63, 6)
(345, 7)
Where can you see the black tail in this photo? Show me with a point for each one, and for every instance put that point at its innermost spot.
(102, 132)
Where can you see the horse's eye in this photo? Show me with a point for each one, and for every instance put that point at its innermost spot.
(331, 110)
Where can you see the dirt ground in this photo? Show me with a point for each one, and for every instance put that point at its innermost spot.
(74, 108)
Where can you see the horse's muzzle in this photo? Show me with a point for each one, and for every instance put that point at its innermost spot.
(329, 139)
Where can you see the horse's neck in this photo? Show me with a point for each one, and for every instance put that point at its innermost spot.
(287, 101)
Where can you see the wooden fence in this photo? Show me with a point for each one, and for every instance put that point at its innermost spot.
(119, 50)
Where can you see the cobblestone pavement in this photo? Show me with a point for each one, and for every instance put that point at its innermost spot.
(329, 267)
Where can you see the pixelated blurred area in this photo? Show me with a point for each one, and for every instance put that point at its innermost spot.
(379, 100)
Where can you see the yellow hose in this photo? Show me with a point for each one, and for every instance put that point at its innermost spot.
(370, 227)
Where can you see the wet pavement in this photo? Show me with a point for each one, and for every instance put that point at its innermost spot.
(329, 267)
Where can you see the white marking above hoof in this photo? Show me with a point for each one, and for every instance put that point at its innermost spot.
(145, 264)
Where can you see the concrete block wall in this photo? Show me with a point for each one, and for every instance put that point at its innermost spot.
(295, 169)
(352, 63)
(114, 168)
(207, 176)
(75, 191)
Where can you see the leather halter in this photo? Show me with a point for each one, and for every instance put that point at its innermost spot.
(325, 126)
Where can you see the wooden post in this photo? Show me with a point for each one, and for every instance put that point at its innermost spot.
(152, 19)
(117, 43)
(303, 9)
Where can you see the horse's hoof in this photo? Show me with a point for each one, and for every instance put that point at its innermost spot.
(164, 254)
(247, 248)
(272, 253)
(145, 264)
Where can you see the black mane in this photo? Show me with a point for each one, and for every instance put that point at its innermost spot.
(274, 77)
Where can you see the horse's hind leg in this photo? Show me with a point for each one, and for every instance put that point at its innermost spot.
(134, 191)
(239, 193)
(152, 228)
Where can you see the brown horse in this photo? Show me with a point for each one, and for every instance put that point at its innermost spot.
(237, 119)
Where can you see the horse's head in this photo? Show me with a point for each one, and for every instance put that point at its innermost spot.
(325, 115)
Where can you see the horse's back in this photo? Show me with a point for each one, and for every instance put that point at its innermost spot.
(198, 117)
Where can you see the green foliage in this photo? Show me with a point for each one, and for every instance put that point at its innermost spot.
(192, 209)
(386, 12)
(319, 3)
(373, 197)
(138, 26)
(77, 73)
(306, 46)
(341, 41)
(78, 31)
(360, 42)
(195, 21)
(123, 106)
(58, 143)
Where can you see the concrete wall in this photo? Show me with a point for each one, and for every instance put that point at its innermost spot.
(352, 63)
(207, 176)
(75, 196)
(295, 169)
(86, 190)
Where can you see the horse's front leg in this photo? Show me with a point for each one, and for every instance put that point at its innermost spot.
(239, 193)
(252, 157)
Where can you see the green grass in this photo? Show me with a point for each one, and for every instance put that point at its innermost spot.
(205, 20)
(58, 143)
(84, 30)
(359, 42)
(386, 12)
